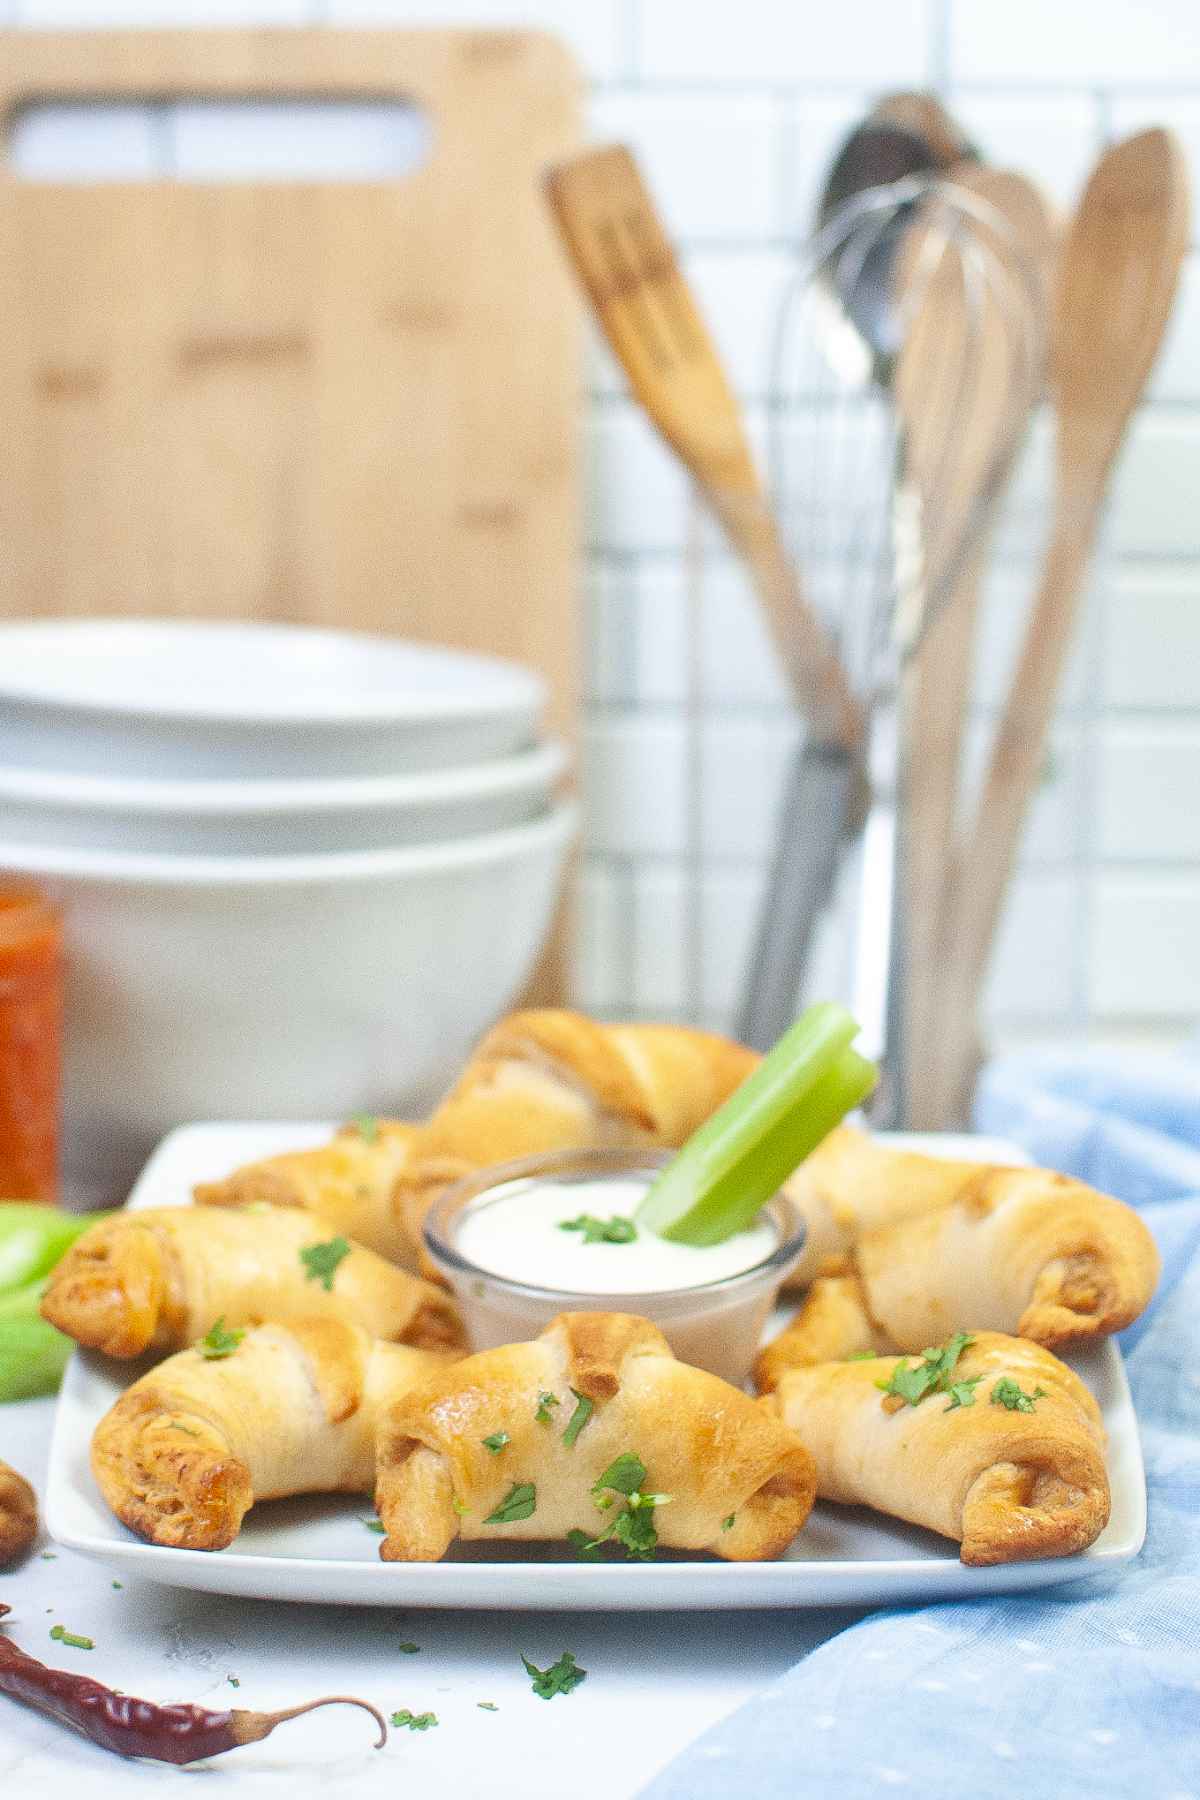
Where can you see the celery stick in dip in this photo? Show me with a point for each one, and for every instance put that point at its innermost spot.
(744, 1153)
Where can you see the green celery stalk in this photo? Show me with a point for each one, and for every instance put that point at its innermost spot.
(33, 1354)
(33, 1238)
(728, 1169)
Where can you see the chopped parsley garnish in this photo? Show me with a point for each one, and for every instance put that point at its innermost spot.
(367, 1127)
(321, 1261)
(487, 1706)
(584, 1408)
(562, 1677)
(61, 1635)
(414, 1721)
(586, 1548)
(376, 1525)
(233, 1681)
(626, 1475)
(220, 1342)
(460, 1506)
(862, 1356)
(49, 1556)
(519, 1503)
(1008, 1393)
(962, 1393)
(409, 1649)
(496, 1442)
(186, 1429)
(727, 1523)
(617, 1230)
(930, 1376)
(633, 1525)
(118, 1584)
(545, 1402)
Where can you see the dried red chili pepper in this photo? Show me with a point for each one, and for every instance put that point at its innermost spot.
(173, 1734)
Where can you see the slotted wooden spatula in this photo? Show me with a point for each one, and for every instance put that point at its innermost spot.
(650, 318)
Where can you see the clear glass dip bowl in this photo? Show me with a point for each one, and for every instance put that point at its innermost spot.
(714, 1325)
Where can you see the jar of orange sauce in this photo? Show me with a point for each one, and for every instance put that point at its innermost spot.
(30, 1041)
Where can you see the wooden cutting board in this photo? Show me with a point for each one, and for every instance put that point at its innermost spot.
(350, 404)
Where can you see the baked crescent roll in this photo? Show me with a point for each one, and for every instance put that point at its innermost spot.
(1023, 1251)
(191, 1447)
(1009, 1481)
(18, 1515)
(493, 1449)
(540, 1080)
(1019, 1250)
(556, 1080)
(349, 1182)
(158, 1279)
(1015, 1249)
(851, 1184)
(833, 1323)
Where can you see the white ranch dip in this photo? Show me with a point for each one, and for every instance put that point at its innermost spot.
(516, 1231)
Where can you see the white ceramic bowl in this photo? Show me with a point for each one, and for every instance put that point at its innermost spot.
(274, 818)
(275, 987)
(196, 698)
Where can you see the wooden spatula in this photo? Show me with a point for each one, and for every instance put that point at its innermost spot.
(1015, 228)
(1116, 285)
(650, 318)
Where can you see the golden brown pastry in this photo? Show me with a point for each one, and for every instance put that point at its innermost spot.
(540, 1080)
(493, 1436)
(159, 1279)
(556, 1080)
(18, 1515)
(851, 1184)
(1009, 1481)
(1015, 1249)
(350, 1182)
(191, 1447)
(1020, 1250)
(1023, 1251)
(832, 1323)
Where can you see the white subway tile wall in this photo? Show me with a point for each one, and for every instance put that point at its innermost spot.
(735, 111)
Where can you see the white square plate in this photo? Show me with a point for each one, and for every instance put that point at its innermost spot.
(320, 1549)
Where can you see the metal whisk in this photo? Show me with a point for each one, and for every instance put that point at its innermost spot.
(909, 352)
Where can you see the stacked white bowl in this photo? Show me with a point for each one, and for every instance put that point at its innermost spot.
(301, 869)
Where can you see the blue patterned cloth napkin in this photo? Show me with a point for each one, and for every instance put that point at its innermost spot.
(1090, 1689)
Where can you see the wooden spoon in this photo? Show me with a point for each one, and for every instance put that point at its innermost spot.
(1116, 286)
(1016, 228)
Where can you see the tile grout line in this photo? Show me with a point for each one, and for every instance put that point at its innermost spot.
(628, 661)
(1096, 599)
(629, 28)
(696, 568)
(940, 47)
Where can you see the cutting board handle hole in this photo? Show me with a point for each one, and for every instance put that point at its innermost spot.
(220, 140)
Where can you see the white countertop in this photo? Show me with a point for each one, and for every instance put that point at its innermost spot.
(655, 1682)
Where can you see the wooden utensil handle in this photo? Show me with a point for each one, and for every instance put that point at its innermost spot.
(982, 871)
(811, 665)
(936, 697)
